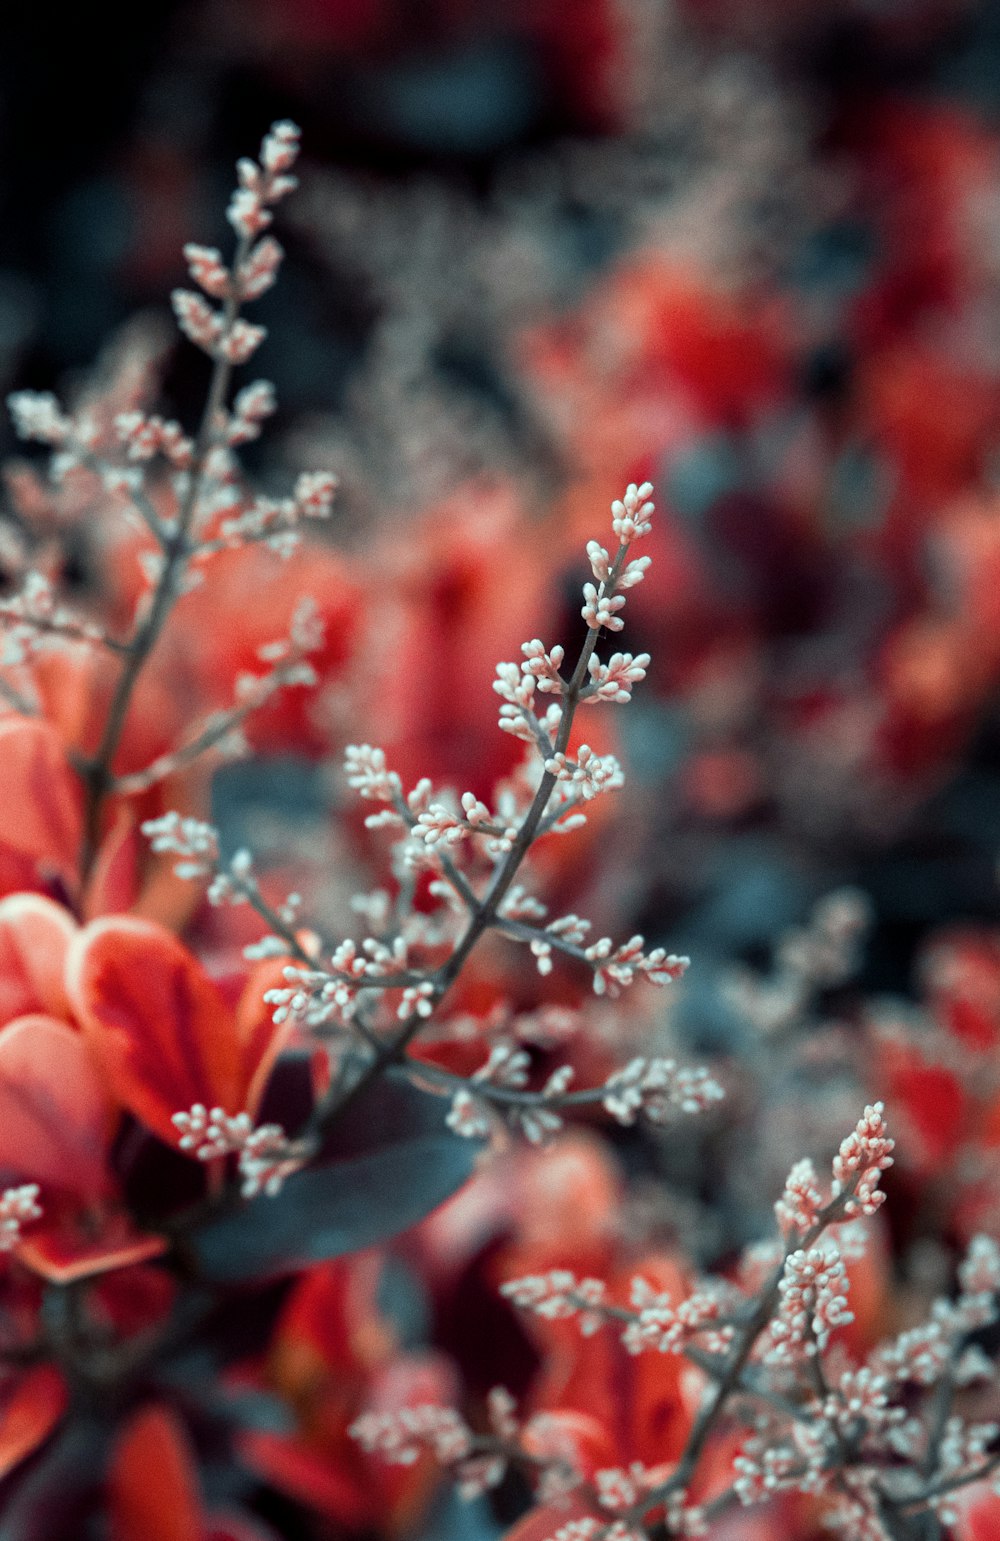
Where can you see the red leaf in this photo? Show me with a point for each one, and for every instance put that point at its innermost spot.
(73, 1243)
(224, 1526)
(157, 1022)
(41, 812)
(542, 1523)
(31, 1412)
(114, 881)
(54, 1111)
(152, 1484)
(260, 1041)
(34, 939)
(978, 1513)
(342, 1488)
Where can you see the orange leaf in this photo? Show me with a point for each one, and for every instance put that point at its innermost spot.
(32, 1411)
(156, 1022)
(54, 1112)
(152, 1483)
(35, 935)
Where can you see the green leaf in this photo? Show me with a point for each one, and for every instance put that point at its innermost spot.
(390, 1162)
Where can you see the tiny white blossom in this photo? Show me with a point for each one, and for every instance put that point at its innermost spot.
(631, 514)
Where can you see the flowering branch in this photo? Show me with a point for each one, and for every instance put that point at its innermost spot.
(383, 991)
(367, 772)
(229, 342)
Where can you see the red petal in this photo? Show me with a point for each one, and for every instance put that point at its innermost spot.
(152, 1484)
(41, 812)
(54, 1111)
(34, 939)
(156, 1022)
(31, 1413)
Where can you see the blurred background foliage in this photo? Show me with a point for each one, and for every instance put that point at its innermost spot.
(750, 248)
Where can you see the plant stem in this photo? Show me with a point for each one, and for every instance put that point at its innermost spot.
(176, 548)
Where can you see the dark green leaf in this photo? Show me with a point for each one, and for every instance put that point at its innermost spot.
(388, 1164)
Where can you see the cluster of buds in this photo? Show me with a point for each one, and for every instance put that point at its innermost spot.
(192, 839)
(621, 1492)
(652, 1322)
(800, 1203)
(613, 681)
(400, 1438)
(960, 1456)
(667, 1328)
(506, 1068)
(431, 824)
(317, 996)
(33, 619)
(268, 1158)
(314, 998)
(278, 522)
(588, 773)
(211, 1132)
(559, 1296)
(365, 771)
(616, 968)
(251, 408)
(143, 437)
(862, 1158)
(516, 688)
(478, 1461)
(764, 1469)
(857, 1167)
(263, 183)
(287, 665)
(235, 341)
(541, 668)
(266, 1155)
(813, 1290)
(621, 1495)
(38, 417)
(809, 959)
(232, 882)
(438, 823)
(222, 333)
(861, 1399)
(979, 1277)
(659, 1089)
(286, 656)
(921, 1355)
